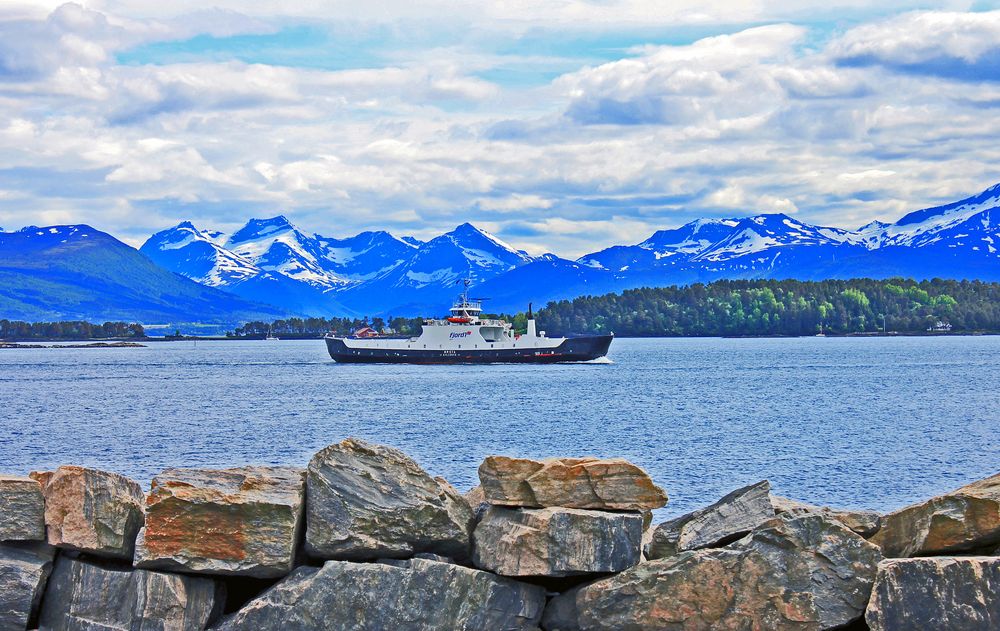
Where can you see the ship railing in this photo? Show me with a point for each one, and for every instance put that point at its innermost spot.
(498, 323)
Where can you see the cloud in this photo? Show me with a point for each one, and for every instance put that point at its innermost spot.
(519, 14)
(514, 202)
(411, 134)
(735, 197)
(958, 46)
(723, 77)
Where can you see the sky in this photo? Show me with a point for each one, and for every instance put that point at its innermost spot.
(563, 126)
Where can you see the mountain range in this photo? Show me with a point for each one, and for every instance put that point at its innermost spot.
(269, 266)
(272, 261)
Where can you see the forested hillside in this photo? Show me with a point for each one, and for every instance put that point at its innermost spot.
(782, 307)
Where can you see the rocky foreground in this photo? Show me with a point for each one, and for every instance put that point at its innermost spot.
(363, 538)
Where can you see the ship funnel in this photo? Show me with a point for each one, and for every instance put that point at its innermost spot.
(531, 332)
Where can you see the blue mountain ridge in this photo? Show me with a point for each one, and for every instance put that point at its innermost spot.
(75, 272)
(271, 262)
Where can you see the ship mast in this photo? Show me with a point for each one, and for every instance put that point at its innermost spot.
(465, 311)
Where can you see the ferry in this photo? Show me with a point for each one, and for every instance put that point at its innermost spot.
(465, 338)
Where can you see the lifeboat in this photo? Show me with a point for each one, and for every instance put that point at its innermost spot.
(459, 320)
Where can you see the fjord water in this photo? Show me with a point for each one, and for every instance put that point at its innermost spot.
(853, 422)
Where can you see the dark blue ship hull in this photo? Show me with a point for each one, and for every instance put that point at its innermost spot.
(573, 349)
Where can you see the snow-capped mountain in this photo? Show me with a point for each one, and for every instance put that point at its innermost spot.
(376, 273)
(427, 280)
(199, 255)
(464, 252)
(971, 219)
(367, 255)
(664, 248)
(275, 245)
(958, 240)
(690, 238)
(707, 248)
(272, 261)
(267, 260)
(763, 233)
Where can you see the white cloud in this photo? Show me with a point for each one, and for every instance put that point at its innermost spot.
(916, 38)
(720, 78)
(736, 199)
(513, 202)
(764, 119)
(519, 14)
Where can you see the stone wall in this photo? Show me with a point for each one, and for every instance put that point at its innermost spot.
(363, 538)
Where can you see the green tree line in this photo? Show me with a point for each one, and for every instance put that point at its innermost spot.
(70, 330)
(782, 307)
(317, 327)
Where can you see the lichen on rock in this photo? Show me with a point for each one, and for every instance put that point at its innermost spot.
(243, 521)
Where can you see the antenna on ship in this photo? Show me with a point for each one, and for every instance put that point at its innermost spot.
(467, 282)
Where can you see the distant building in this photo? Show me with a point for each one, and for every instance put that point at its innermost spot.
(366, 331)
(940, 327)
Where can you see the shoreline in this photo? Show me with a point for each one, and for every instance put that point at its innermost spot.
(134, 342)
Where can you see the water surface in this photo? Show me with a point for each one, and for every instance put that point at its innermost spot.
(858, 422)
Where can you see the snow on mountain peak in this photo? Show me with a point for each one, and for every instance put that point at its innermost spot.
(197, 255)
(484, 248)
(276, 245)
(763, 232)
(467, 230)
(691, 238)
(376, 270)
(930, 225)
(261, 228)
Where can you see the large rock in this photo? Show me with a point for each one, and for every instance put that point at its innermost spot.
(92, 511)
(22, 509)
(370, 501)
(416, 595)
(24, 568)
(864, 522)
(728, 519)
(796, 574)
(239, 522)
(85, 597)
(597, 483)
(556, 541)
(965, 519)
(953, 593)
